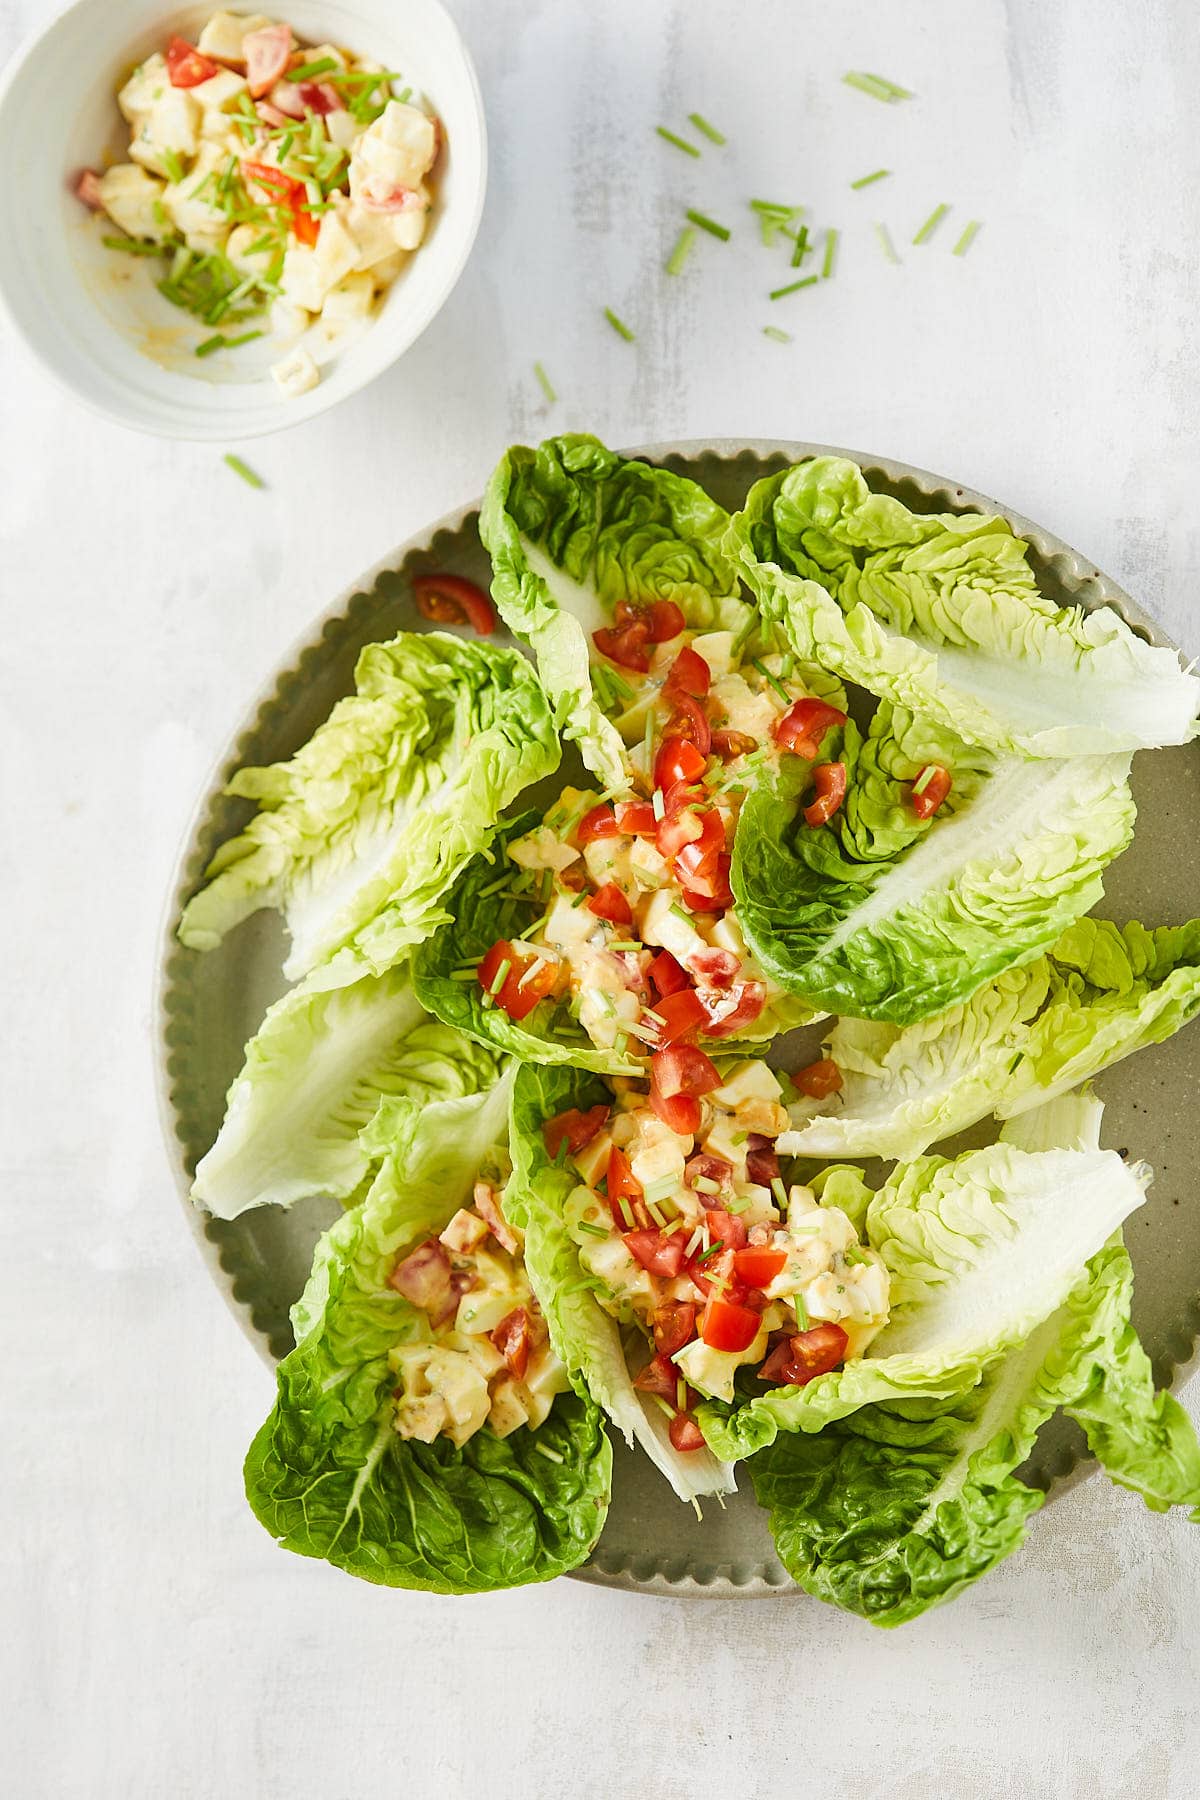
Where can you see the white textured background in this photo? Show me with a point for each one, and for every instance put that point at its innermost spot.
(153, 1641)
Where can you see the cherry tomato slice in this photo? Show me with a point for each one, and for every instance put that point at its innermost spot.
(511, 1339)
(659, 1253)
(727, 1326)
(528, 980)
(819, 1079)
(674, 1325)
(935, 783)
(663, 621)
(660, 1377)
(608, 902)
(735, 1009)
(267, 53)
(817, 1351)
(626, 645)
(758, 1265)
(623, 1184)
(719, 899)
(829, 785)
(452, 599)
(688, 720)
(685, 1434)
(802, 727)
(712, 1273)
(728, 744)
(678, 1111)
(667, 975)
(601, 822)
(636, 818)
(683, 1070)
(697, 863)
(689, 674)
(677, 760)
(573, 1128)
(726, 1226)
(186, 68)
(682, 1014)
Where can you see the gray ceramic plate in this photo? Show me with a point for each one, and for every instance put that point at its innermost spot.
(210, 1005)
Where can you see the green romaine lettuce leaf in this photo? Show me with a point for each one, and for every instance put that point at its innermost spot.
(572, 529)
(941, 612)
(899, 1507)
(315, 1072)
(1101, 993)
(329, 1476)
(979, 1250)
(585, 1337)
(882, 915)
(359, 836)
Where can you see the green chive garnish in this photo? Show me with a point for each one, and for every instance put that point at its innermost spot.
(173, 165)
(931, 224)
(543, 1449)
(681, 251)
(679, 143)
(877, 86)
(968, 237)
(209, 345)
(132, 246)
(772, 679)
(244, 470)
(801, 1311)
(793, 287)
(831, 241)
(709, 131)
(780, 337)
(596, 1231)
(618, 325)
(875, 175)
(924, 777)
(709, 225)
(801, 249)
(885, 242)
(309, 71)
(544, 383)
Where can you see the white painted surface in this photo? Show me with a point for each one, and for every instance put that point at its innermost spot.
(154, 1641)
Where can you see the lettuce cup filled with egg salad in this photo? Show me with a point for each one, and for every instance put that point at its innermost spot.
(426, 1433)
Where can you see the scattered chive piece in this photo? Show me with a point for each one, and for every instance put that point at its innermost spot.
(965, 241)
(173, 165)
(793, 287)
(801, 249)
(924, 778)
(132, 246)
(596, 1231)
(545, 1450)
(679, 143)
(885, 242)
(831, 242)
(866, 180)
(703, 1185)
(779, 1191)
(801, 1311)
(493, 888)
(209, 345)
(877, 86)
(659, 1401)
(502, 975)
(931, 224)
(618, 325)
(310, 71)
(658, 804)
(244, 470)
(544, 383)
(712, 1250)
(773, 681)
(709, 225)
(680, 914)
(681, 1393)
(709, 131)
(680, 253)
(780, 337)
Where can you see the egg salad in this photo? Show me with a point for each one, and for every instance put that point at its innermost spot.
(284, 186)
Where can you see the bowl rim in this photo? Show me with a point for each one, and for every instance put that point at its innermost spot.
(215, 429)
(1049, 546)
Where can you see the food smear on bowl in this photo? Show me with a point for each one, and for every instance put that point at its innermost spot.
(282, 186)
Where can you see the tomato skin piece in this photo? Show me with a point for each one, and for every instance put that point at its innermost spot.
(817, 1351)
(601, 822)
(727, 1326)
(623, 1184)
(664, 621)
(697, 863)
(829, 783)
(658, 1377)
(749, 999)
(681, 1112)
(608, 902)
(668, 975)
(574, 1128)
(511, 1339)
(689, 721)
(726, 1226)
(722, 895)
(267, 52)
(926, 803)
(819, 1079)
(683, 1070)
(186, 67)
(680, 823)
(758, 1264)
(689, 674)
(674, 1325)
(685, 1434)
(451, 599)
(678, 760)
(625, 645)
(658, 1253)
(683, 1014)
(522, 987)
(728, 744)
(713, 1273)
(803, 726)
(636, 818)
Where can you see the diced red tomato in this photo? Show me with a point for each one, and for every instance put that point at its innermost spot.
(488, 1208)
(829, 786)
(608, 902)
(713, 1272)
(758, 1265)
(689, 674)
(937, 784)
(674, 1325)
(186, 68)
(728, 744)
(423, 1277)
(667, 975)
(732, 1012)
(697, 862)
(688, 720)
(87, 189)
(682, 1013)
(659, 1252)
(267, 52)
(681, 1112)
(727, 1326)
(663, 620)
(721, 896)
(683, 1070)
(574, 1128)
(627, 645)
(708, 1168)
(819, 1079)
(685, 1434)
(816, 1351)
(636, 818)
(660, 1377)
(677, 760)
(714, 968)
(452, 599)
(623, 1184)
(762, 1164)
(511, 1338)
(777, 1362)
(601, 822)
(528, 980)
(680, 823)
(727, 1227)
(803, 726)
(305, 226)
(283, 190)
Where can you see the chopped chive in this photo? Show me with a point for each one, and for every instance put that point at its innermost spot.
(875, 175)
(626, 1211)
(703, 1185)
(618, 325)
(658, 1190)
(831, 241)
(739, 1203)
(711, 1251)
(801, 1311)
(780, 337)
(648, 1012)
(542, 1449)
(596, 1231)
(672, 1226)
(779, 1191)
(658, 1217)
(623, 944)
(666, 1407)
(580, 897)
(501, 976)
(679, 143)
(658, 804)
(773, 681)
(885, 242)
(709, 131)
(132, 246)
(681, 251)
(877, 86)
(209, 345)
(793, 287)
(173, 165)
(680, 914)
(710, 225)
(464, 974)
(1019, 1057)
(924, 778)
(244, 470)
(801, 248)
(309, 71)
(968, 237)
(681, 1393)
(493, 888)
(739, 1138)
(544, 383)
(931, 224)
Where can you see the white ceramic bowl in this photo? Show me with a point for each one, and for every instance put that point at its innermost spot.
(93, 316)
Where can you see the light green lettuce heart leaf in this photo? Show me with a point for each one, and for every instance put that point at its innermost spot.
(314, 1073)
(360, 834)
(941, 613)
(882, 915)
(1102, 992)
(901, 1506)
(329, 1476)
(573, 529)
(585, 1337)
